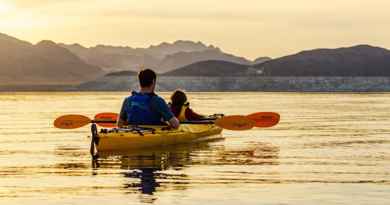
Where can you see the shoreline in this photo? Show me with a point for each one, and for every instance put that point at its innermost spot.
(222, 84)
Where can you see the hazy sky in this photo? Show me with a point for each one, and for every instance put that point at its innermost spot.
(250, 28)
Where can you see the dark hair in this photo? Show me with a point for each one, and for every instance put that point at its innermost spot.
(178, 98)
(146, 77)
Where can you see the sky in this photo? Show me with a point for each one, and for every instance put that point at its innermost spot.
(249, 28)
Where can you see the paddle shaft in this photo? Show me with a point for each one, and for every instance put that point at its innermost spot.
(103, 121)
(262, 119)
(185, 122)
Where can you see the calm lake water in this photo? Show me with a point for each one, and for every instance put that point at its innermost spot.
(327, 149)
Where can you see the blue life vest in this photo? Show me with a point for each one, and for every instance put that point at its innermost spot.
(139, 110)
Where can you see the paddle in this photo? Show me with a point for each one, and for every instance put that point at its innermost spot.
(235, 122)
(109, 119)
(77, 121)
(265, 119)
(262, 119)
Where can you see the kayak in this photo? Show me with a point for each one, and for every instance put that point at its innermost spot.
(122, 139)
(135, 138)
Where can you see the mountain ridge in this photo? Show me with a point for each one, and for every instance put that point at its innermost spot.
(359, 60)
(48, 63)
(162, 57)
(23, 63)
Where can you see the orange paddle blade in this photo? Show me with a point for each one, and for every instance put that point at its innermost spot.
(71, 121)
(265, 119)
(111, 119)
(235, 122)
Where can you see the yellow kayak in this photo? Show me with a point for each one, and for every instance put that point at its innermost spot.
(122, 139)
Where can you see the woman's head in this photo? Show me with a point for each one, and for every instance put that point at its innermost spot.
(178, 98)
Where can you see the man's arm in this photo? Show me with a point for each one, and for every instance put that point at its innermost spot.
(161, 106)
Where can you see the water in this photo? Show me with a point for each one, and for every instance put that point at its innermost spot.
(327, 149)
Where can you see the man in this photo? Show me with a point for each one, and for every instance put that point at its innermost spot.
(145, 107)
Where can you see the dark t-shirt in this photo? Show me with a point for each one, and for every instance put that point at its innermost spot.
(157, 104)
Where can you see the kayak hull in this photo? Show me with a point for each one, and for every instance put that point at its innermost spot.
(124, 140)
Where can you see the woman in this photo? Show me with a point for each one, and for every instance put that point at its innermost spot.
(181, 108)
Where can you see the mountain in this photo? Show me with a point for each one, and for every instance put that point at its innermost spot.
(164, 49)
(112, 59)
(22, 63)
(361, 60)
(360, 68)
(212, 68)
(162, 58)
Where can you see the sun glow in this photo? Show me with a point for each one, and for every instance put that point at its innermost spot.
(4, 7)
(252, 29)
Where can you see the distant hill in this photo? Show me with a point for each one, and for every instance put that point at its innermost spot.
(122, 73)
(182, 59)
(361, 60)
(162, 58)
(22, 63)
(212, 68)
(261, 60)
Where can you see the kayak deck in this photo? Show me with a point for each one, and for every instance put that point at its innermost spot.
(154, 136)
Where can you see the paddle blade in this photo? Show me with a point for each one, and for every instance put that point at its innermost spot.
(71, 121)
(265, 119)
(235, 122)
(107, 116)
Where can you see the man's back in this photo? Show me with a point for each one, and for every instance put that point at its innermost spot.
(145, 109)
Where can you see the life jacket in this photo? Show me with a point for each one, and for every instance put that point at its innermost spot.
(139, 110)
(182, 116)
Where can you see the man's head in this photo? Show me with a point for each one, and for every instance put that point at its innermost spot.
(147, 78)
